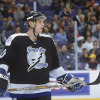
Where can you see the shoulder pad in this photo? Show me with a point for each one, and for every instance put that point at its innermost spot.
(12, 37)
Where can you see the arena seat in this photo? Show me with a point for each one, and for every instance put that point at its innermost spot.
(8, 33)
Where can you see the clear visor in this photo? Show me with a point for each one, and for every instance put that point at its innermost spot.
(44, 19)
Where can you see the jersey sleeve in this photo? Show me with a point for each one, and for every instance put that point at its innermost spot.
(55, 59)
(56, 69)
(8, 55)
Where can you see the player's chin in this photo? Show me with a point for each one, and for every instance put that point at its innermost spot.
(40, 31)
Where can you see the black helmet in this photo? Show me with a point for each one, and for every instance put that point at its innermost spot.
(34, 15)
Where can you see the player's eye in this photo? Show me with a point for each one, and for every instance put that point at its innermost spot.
(40, 21)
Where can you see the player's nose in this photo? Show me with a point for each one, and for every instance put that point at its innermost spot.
(43, 24)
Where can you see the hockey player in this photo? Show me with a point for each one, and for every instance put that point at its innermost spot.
(31, 57)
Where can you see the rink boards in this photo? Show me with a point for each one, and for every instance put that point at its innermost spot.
(87, 93)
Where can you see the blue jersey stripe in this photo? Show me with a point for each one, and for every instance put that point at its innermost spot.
(2, 71)
(30, 95)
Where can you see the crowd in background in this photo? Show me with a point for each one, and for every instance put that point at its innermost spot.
(60, 27)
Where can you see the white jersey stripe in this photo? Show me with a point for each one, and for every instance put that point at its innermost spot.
(44, 35)
(9, 40)
(57, 72)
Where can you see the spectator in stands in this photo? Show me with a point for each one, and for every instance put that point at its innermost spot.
(62, 5)
(18, 24)
(18, 14)
(50, 27)
(69, 11)
(55, 22)
(46, 31)
(91, 9)
(10, 9)
(92, 64)
(80, 40)
(69, 3)
(25, 7)
(27, 11)
(71, 48)
(63, 25)
(13, 6)
(82, 23)
(95, 48)
(68, 20)
(9, 13)
(98, 13)
(9, 25)
(88, 27)
(88, 44)
(88, 33)
(57, 48)
(61, 37)
(17, 30)
(84, 57)
(70, 33)
(64, 58)
(95, 6)
(93, 20)
(98, 56)
(63, 13)
(7, 3)
(2, 7)
(77, 18)
(71, 51)
(55, 5)
(92, 3)
(2, 41)
(97, 32)
(88, 16)
(85, 8)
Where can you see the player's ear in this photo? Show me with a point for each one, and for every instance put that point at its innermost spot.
(31, 24)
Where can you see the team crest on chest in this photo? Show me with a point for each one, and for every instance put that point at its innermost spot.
(36, 58)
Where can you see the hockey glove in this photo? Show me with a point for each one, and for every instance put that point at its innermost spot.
(68, 79)
(3, 82)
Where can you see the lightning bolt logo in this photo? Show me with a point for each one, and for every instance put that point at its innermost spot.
(36, 58)
(35, 62)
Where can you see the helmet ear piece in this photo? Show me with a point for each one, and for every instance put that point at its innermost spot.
(34, 22)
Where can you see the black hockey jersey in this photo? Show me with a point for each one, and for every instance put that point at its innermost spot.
(29, 62)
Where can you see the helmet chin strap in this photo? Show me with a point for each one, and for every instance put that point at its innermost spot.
(34, 32)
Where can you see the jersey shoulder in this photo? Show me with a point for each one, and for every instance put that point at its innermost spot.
(45, 35)
(12, 37)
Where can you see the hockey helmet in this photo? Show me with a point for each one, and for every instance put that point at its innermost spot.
(34, 15)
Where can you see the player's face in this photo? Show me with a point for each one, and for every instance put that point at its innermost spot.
(39, 25)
